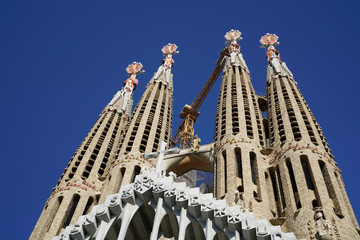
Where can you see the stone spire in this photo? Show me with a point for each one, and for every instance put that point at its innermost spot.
(302, 172)
(239, 134)
(81, 183)
(151, 123)
(123, 99)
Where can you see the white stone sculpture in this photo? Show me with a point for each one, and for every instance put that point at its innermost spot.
(273, 57)
(236, 58)
(167, 63)
(323, 227)
(130, 84)
(276, 65)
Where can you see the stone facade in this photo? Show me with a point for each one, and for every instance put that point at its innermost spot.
(81, 184)
(271, 162)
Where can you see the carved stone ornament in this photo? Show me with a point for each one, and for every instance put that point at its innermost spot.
(134, 68)
(269, 40)
(170, 49)
(143, 183)
(234, 214)
(220, 208)
(119, 209)
(323, 227)
(127, 191)
(233, 35)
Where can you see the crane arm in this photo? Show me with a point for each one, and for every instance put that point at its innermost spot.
(191, 112)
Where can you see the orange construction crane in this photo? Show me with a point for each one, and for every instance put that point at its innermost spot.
(185, 132)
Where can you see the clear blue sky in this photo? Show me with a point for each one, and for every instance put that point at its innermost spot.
(62, 61)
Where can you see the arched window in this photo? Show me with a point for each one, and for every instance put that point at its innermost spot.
(70, 212)
(310, 180)
(54, 211)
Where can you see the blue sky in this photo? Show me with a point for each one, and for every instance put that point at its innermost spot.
(62, 61)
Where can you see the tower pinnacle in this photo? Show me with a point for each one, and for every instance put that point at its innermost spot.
(236, 58)
(166, 63)
(275, 65)
(239, 134)
(122, 101)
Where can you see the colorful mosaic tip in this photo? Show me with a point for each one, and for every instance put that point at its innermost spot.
(269, 40)
(233, 35)
(170, 49)
(134, 68)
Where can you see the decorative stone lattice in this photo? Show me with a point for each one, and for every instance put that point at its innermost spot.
(165, 196)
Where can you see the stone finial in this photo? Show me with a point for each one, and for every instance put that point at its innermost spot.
(269, 40)
(170, 49)
(166, 63)
(233, 35)
(135, 68)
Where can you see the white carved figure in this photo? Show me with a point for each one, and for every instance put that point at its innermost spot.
(237, 197)
(166, 63)
(127, 91)
(273, 57)
(172, 175)
(195, 144)
(236, 58)
(323, 227)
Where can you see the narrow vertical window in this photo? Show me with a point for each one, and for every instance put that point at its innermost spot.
(54, 211)
(253, 166)
(310, 180)
(225, 170)
(136, 172)
(293, 183)
(281, 188)
(330, 188)
(238, 161)
(122, 173)
(275, 191)
(88, 205)
(70, 212)
(255, 175)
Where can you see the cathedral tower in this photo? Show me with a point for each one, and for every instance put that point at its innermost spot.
(307, 194)
(268, 172)
(151, 123)
(239, 134)
(81, 183)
